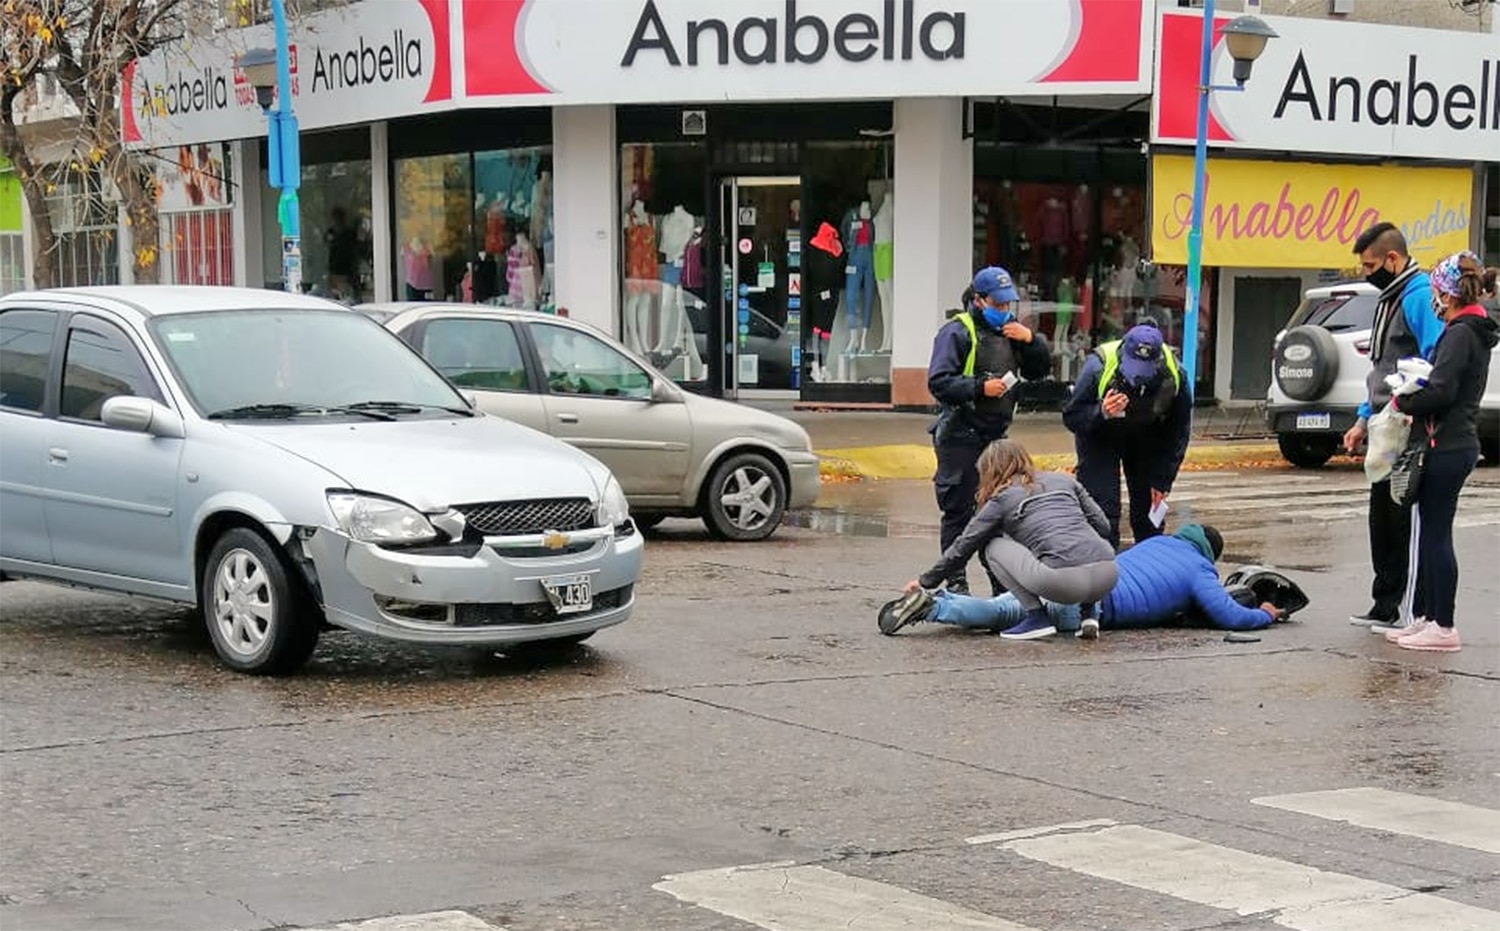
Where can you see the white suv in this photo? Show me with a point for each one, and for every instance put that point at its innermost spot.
(1318, 371)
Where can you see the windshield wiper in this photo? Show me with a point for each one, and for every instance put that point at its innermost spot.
(283, 411)
(406, 407)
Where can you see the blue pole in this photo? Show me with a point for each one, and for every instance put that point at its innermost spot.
(1200, 174)
(284, 150)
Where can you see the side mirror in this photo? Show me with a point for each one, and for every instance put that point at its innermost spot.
(141, 415)
(664, 392)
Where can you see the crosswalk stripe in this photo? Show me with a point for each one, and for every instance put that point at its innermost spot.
(1398, 813)
(1291, 895)
(427, 921)
(811, 898)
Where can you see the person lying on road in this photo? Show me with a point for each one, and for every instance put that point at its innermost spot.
(1159, 579)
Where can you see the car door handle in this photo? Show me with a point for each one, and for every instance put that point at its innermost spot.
(567, 418)
(57, 454)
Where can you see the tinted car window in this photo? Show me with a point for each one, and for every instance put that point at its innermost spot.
(577, 363)
(1337, 312)
(101, 363)
(25, 356)
(471, 353)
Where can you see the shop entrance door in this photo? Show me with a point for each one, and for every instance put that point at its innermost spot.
(761, 293)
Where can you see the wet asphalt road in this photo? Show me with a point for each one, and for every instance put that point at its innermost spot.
(748, 713)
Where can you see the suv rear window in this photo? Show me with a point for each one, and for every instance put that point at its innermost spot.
(1337, 312)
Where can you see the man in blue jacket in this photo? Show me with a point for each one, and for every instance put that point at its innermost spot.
(976, 359)
(1404, 326)
(1131, 410)
(1159, 579)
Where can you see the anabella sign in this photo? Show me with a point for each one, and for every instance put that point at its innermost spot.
(1340, 87)
(806, 38)
(374, 60)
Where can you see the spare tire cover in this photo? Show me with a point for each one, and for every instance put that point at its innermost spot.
(1307, 362)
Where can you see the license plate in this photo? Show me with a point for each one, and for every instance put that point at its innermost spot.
(569, 594)
(1314, 421)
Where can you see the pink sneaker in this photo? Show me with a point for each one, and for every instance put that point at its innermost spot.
(1416, 626)
(1432, 639)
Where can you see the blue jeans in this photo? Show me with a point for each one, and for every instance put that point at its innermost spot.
(859, 287)
(997, 613)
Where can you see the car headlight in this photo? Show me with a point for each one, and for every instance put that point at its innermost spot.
(369, 519)
(614, 510)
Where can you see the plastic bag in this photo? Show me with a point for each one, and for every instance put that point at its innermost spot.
(1387, 434)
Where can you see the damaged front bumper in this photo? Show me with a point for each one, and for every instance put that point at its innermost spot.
(479, 593)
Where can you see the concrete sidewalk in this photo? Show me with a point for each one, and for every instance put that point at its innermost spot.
(889, 445)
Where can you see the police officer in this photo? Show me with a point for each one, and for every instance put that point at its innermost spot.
(1130, 408)
(976, 358)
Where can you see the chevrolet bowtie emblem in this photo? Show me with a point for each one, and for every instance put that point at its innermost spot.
(554, 540)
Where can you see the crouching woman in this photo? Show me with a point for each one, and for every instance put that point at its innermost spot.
(1039, 534)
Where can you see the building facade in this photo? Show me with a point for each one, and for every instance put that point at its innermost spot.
(782, 197)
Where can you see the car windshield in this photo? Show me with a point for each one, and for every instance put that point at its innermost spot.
(1337, 312)
(284, 363)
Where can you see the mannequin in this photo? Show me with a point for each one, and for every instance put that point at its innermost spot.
(1061, 346)
(541, 206)
(521, 272)
(486, 278)
(822, 275)
(885, 261)
(416, 269)
(547, 251)
(859, 275)
(676, 333)
(640, 277)
(1082, 222)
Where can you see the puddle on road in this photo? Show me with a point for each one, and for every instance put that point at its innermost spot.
(839, 522)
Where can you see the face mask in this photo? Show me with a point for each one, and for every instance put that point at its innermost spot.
(997, 318)
(1381, 277)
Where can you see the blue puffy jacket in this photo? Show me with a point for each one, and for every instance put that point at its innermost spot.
(1168, 575)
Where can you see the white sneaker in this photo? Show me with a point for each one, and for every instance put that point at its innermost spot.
(1089, 629)
(1394, 634)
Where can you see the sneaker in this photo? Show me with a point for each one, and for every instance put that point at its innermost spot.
(1089, 629)
(1432, 639)
(1034, 626)
(1373, 616)
(908, 609)
(957, 586)
(1394, 632)
(1399, 627)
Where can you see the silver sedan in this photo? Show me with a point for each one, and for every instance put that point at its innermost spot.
(283, 462)
(675, 453)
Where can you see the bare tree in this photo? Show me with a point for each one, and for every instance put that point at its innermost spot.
(84, 46)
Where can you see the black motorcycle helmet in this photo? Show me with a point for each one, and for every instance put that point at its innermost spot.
(1253, 586)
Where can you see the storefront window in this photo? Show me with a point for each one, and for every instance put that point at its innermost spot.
(196, 214)
(1491, 215)
(336, 230)
(1074, 249)
(667, 276)
(847, 295)
(476, 227)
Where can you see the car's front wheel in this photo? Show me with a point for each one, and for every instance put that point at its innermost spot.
(260, 618)
(1307, 451)
(745, 498)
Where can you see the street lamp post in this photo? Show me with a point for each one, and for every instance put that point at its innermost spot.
(1245, 37)
(270, 73)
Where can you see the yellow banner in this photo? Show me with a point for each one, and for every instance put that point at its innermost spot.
(1302, 214)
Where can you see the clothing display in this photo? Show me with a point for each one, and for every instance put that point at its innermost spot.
(859, 270)
(521, 267)
(416, 268)
(486, 278)
(692, 262)
(640, 250)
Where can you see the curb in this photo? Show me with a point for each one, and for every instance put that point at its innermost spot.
(912, 461)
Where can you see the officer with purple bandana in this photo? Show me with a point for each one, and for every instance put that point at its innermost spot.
(1131, 410)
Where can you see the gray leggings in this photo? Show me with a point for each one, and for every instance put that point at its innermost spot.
(1031, 580)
